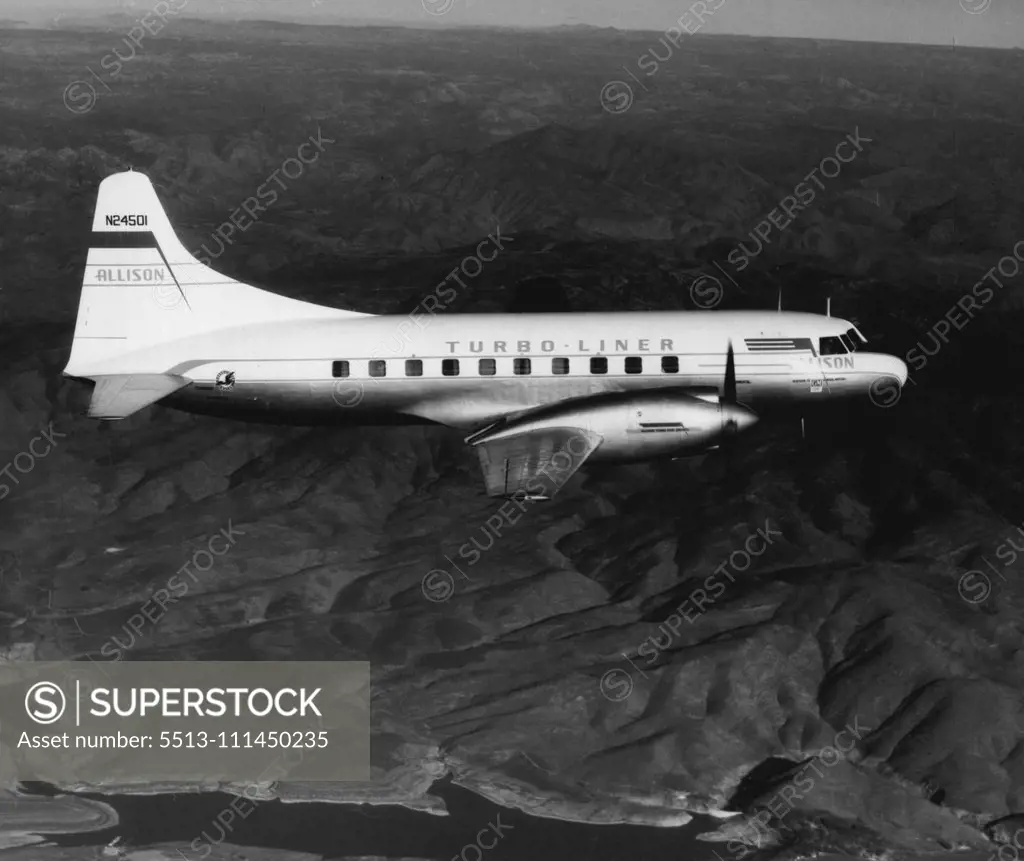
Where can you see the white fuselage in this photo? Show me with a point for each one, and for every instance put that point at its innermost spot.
(464, 370)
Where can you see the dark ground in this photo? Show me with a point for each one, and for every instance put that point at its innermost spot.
(854, 614)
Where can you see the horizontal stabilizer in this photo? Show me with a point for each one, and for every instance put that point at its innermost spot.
(117, 396)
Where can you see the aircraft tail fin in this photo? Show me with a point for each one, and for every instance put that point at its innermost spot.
(143, 288)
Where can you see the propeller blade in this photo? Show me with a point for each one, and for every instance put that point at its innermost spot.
(735, 418)
(729, 392)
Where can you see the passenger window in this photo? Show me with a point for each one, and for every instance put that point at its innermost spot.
(378, 368)
(450, 367)
(599, 365)
(339, 368)
(413, 368)
(559, 366)
(487, 367)
(520, 366)
(670, 364)
(634, 365)
(832, 346)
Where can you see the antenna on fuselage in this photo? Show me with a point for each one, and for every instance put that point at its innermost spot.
(780, 300)
(828, 307)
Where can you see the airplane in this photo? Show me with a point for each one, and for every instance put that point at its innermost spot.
(536, 392)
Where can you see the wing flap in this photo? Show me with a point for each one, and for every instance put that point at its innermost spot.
(535, 463)
(117, 396)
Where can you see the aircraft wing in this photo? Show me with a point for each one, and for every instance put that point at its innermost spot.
(535, 463)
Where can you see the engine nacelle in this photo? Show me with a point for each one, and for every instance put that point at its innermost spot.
(634, 425)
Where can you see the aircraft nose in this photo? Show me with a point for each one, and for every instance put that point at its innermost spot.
(887, 370)
(896, 368)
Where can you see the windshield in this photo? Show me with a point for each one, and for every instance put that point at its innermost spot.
(848, 343)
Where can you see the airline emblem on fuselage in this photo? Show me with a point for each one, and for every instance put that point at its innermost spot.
(225, 380)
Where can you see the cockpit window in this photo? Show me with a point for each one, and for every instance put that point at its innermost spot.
(853, 336)
(847, 343)
(832, 346)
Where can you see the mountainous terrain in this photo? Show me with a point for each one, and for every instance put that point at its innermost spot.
(872, 649)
